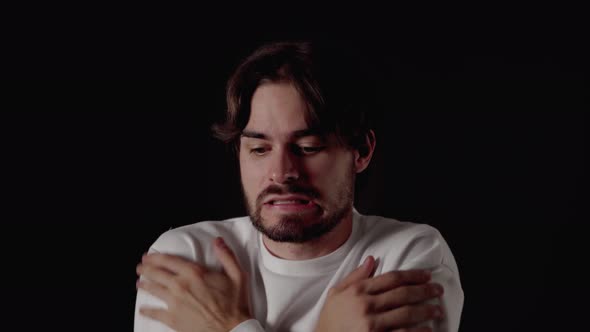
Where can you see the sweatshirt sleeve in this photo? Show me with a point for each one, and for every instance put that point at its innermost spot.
(430, 251)
(178, 243)
(145, 324)
(250, 325)
(170, 242)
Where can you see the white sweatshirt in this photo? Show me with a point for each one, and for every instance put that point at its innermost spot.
(288, 295)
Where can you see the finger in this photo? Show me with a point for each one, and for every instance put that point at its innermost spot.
(407, 316)
(155, 289)
(155, 274)
(174, 264)
(405, 295)
(358, 274)
(158, 314)
(393, 279)
(228, 260)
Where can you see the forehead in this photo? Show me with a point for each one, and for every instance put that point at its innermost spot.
(277, 109)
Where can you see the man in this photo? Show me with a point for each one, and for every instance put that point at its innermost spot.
(304, 259)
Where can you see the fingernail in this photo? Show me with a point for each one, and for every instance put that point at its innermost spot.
(220, 242)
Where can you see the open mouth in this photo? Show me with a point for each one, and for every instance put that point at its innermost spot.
(290, 202)
(291, 205)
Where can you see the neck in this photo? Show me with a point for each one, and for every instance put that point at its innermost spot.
(321, 246)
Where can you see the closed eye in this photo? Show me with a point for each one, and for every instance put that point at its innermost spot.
(309, 150)
(258, 151)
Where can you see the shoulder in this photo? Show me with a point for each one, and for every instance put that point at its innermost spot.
(194, 241)
(406, 244)
(388, 229)
(402, 245)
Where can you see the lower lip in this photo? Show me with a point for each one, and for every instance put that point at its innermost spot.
(295, 207)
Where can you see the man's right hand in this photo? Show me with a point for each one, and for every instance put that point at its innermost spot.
(394, 301)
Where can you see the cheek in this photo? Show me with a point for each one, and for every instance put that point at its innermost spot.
(328, 170)
(251, 175)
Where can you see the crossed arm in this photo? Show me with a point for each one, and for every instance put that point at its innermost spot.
(394, 301)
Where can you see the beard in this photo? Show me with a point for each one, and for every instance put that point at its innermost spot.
(297, 228)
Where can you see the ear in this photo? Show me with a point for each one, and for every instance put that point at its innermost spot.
(363, 155)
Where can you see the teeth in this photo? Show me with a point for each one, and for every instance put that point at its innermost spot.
(289, 202)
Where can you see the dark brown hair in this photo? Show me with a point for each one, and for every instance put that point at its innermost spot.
(327, 77)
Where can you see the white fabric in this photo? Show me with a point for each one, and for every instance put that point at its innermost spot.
(250, 325)
(288, 295)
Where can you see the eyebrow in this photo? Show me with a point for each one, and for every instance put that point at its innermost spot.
(253, 134)
(296, 134)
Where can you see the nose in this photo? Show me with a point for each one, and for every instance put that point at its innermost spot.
(283, 168)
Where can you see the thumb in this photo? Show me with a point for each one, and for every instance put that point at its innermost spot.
(362, 272)
(228, 260)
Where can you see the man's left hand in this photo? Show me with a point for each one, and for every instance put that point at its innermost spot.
(197, 299)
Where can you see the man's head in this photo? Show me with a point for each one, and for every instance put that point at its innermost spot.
(301, 137)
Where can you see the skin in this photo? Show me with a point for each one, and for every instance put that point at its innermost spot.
(393, 301)
(201, 300)
(273, 156)
(197, 299)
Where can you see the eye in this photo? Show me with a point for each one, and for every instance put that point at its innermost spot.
(260, 151)
(309, 150)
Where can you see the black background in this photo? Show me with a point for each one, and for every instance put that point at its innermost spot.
(482, 135)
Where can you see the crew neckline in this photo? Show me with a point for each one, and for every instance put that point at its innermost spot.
(309, 267)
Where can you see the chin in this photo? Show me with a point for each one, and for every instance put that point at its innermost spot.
(271, 219)
(293, 227)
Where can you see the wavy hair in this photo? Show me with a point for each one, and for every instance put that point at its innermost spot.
(328, 79)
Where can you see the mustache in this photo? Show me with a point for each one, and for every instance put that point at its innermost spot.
(285, 190)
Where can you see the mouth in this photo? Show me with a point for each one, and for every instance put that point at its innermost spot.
(290, 204)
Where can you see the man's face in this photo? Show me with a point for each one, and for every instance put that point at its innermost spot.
(298, 185)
